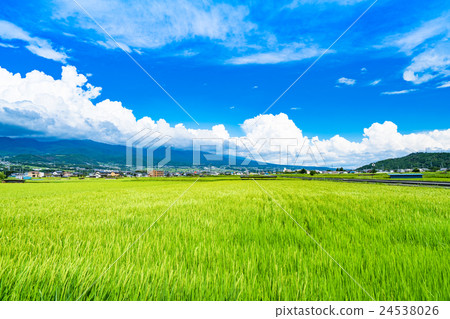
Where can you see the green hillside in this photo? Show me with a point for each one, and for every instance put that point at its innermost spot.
(419, 160)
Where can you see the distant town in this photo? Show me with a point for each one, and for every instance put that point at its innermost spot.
(26, 172)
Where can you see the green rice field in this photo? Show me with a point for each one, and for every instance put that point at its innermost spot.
(426, 176)
(223, 239)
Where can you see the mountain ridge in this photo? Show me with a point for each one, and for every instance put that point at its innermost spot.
(413, 160)
(87, 152)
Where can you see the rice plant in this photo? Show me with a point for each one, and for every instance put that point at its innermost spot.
(224, 239)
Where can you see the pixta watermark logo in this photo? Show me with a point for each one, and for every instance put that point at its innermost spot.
(243, 151)
(246, 151)
(147, 141)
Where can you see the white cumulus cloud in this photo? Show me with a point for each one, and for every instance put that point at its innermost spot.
(382, 141)
(429, 64)
(346, 81)
(63, 108)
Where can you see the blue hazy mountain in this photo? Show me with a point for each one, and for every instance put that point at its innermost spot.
(87, 152)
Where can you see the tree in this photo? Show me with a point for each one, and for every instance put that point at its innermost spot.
(373, 170)
(312, 173)
(303, 171)
(2, 176)
(416, 170)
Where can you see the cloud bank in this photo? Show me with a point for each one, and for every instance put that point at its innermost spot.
(149, 24)
(63, 108)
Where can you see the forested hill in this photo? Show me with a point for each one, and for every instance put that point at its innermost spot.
(414, 160)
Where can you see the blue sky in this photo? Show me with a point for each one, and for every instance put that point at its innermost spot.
(226, 61)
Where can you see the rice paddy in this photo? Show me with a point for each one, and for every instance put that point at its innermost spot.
(224, 239)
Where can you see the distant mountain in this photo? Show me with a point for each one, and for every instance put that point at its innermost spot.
(84, 152)
(414, 160)
(61, 151)
(90, 153)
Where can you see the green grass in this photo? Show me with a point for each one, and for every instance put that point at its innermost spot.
(225, 239)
